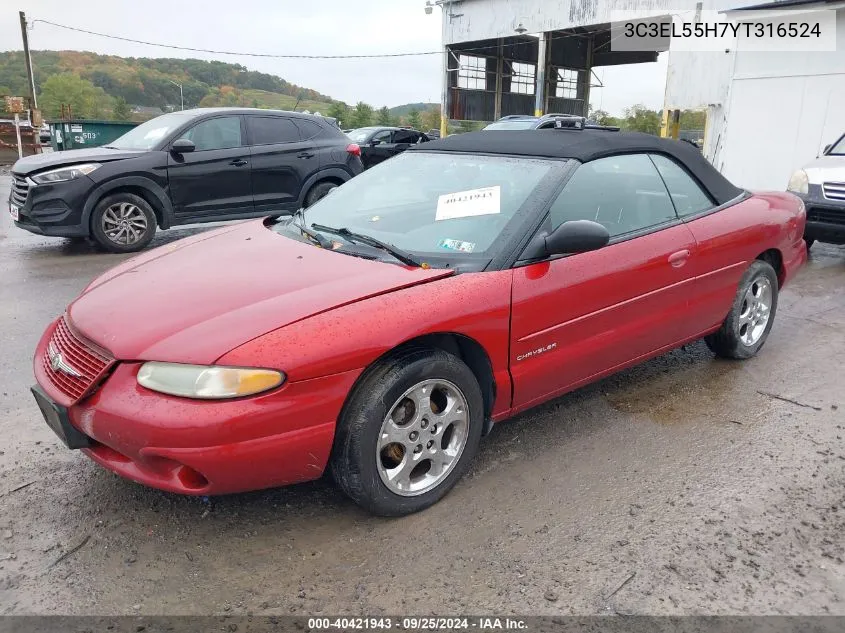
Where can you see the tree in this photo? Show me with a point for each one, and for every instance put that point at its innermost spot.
(413, 119)
(85, 99)
(340, 111)
(383, 117)
(362, 115)
(431, 119)
(121, 110)
(638, 118)
(693, 119)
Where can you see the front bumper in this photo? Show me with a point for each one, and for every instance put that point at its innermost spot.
(825, 217)
(203, 447)
(55, 210)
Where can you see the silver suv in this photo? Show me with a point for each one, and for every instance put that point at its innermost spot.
(821, 184)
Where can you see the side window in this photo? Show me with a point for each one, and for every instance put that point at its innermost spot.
(624, 193)
(269, 130)
(405, 136)
(220, 133)
(382, 137)
(307, 129)
(688, 197)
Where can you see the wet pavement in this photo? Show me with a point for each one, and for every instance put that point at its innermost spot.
(685, 485)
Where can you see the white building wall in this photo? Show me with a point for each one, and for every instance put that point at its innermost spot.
(484, 19)
(782, 109)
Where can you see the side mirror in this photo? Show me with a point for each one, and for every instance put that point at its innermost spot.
(576, 236)
(826, 149)
(182, 146)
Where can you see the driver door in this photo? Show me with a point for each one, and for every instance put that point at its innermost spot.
(214, 179)
(378, 148)
(581, 316)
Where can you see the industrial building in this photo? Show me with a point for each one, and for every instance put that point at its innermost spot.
(768, 113)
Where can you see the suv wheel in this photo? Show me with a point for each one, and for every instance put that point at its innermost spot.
(123, 223)
(319, 191)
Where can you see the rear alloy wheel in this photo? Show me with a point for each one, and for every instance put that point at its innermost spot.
(318, 191)
(409, 432)
(123, 223)
(752, 314)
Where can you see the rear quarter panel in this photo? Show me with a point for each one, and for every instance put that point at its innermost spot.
(730, 239)
(476, 305)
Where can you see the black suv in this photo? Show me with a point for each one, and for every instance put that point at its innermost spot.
(191, 166)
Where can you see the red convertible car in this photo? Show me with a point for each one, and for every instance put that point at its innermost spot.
(382, 331)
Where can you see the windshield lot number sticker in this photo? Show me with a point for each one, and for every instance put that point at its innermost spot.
(465, 204)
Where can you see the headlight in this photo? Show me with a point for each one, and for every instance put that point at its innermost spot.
(799, 183)
(65, 173)
(207, 382)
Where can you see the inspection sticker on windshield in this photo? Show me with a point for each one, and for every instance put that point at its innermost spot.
(457, 245)
(465, 204)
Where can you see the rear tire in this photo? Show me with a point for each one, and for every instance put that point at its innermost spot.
(747, 326)
(409, 432)
(318, 191)
(123, 223)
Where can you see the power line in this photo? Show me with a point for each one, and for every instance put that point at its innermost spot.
(241, 54)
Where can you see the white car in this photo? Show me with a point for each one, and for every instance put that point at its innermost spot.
(821, 184)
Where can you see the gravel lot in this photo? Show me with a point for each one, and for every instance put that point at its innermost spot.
(685, 485)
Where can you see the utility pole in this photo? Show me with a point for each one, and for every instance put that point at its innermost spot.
(33, 101)
(181, 98)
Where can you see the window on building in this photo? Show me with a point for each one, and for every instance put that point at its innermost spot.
(566, 85)
(472, 72)
(522, 78)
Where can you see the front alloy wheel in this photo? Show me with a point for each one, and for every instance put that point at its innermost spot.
(422, 437)
(123, 223)
(408, 432)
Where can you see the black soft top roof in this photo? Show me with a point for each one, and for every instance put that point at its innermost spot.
(586, 145)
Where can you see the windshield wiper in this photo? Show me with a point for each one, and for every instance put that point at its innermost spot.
(398, 253)
(321, 241)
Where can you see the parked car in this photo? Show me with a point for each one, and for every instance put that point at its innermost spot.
(380, 143)
(433, 134)
(200, 165)
(821, 185)
(381, 332)
(528, 122)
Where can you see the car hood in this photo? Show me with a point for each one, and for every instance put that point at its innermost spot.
(826, 169)
(196, 299)
(40, 162)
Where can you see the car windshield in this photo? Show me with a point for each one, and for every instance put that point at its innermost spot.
(435, 203)
(838, 148)
(517, 124)
(361, 134)
(149, 134)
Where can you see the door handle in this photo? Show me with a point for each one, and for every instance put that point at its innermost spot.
(239, 162)
(305, 155)
(679, 259)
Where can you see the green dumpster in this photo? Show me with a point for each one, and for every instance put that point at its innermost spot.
(81, 133)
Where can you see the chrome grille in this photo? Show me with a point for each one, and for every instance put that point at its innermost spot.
(834, 190)
(89, 363)
(20, 189)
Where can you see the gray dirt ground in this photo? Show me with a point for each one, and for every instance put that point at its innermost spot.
(678, 476)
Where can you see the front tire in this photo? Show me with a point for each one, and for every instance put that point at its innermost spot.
(123, 223)
(409, 432)
(747, 326)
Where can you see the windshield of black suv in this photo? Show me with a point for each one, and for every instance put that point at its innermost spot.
(149, 134)
(445, 204)
(516, 124)
(838, 148)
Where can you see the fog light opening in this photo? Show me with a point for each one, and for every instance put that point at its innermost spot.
(190, 478)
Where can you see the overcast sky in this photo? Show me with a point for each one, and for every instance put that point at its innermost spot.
(320, 27)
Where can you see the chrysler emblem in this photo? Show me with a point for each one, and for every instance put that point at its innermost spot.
(57, 362)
